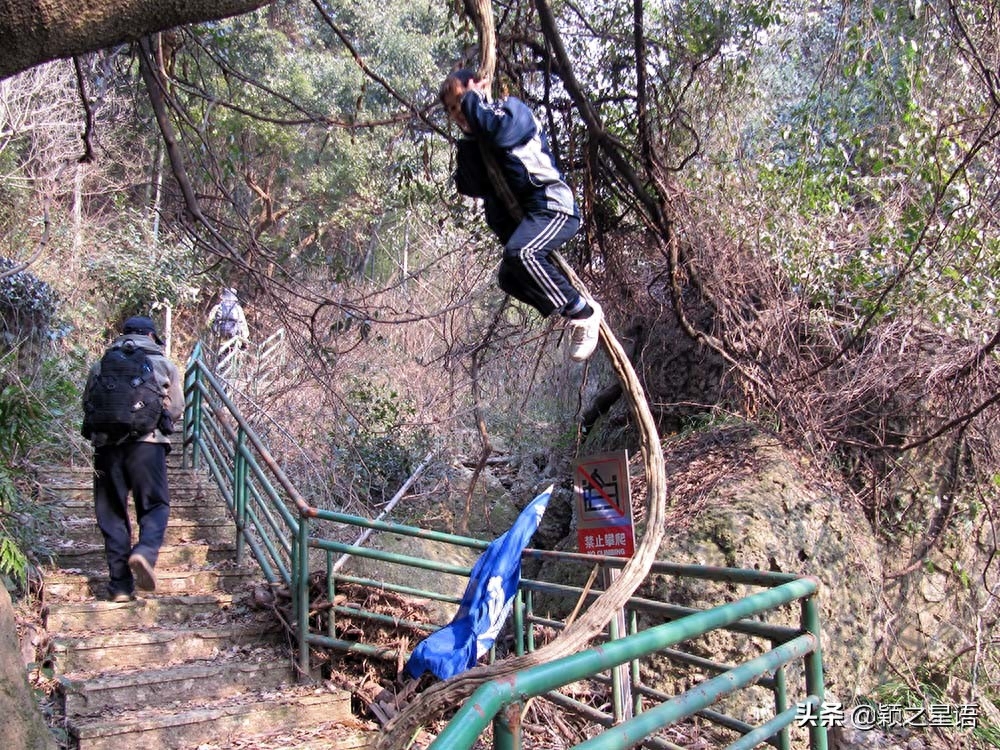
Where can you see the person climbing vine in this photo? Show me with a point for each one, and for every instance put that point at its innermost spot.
(536, 218)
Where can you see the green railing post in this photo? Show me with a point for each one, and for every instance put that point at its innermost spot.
(529, 611)
(240, 493)
(619, 675)
(519, 623)
(300, 585)
(781, 703)
(636, 675)
(192, 428)
(507, 728)
(814, 669)
(331, 595)
(621, 685)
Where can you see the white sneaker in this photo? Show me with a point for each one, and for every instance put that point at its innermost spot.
(583, 340)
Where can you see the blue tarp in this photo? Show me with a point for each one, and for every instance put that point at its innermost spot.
(485, 604)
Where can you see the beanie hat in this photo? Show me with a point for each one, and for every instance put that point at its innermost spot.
(142, 325)
(139, 324)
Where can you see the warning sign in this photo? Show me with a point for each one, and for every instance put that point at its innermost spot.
(604, 505)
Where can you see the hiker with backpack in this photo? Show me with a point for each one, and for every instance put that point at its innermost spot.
(227, 320)
(131, 402)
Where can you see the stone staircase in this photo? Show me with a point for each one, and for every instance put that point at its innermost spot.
(191, 665)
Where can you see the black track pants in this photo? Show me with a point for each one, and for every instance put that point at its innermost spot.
(527, 272)
(142, 469)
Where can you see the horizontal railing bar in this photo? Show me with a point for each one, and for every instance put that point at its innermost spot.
(769, 729)
(398, 589)
(489, 699)
(367, 614)
(391, 557)
(764, 578)
(623, 736)
(725, 575)
(674, 611)
(699, 661)
(606, 720)
(353, 647)
(324, 514)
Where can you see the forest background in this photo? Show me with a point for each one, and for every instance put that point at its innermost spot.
(790, 216)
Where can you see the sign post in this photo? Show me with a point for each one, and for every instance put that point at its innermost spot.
(603, 497)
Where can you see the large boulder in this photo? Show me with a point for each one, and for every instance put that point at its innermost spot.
(741, 499)
(942, 577)
(23, 727)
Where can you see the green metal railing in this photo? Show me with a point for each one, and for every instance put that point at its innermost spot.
(289, 538)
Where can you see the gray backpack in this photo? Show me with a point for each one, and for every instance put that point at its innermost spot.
(225, 324)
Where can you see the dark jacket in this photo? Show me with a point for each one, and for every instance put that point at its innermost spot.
(508, 130)
(167, 377)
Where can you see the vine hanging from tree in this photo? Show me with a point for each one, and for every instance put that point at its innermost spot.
(446, 695)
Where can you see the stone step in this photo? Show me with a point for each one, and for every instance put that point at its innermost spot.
(210, 724)
(189, 666)
(180, 499)
(68, 586)
(161, 611)
(82, 495)
(180, 528)
(347, 735)
(82, 475)
(154, 647)
(90, 557)
(259, 669)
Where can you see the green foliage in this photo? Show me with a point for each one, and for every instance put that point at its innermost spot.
(34, 413)
(22, 414)
(13, 563)
(383, 447)
(26, 302)
(309, 153)
(925, 691)
(868, 188)
(129, 274)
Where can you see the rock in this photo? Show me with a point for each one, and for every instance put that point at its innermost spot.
(777, 517)
(23, 727)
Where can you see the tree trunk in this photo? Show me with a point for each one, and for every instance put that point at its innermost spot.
(36, 31)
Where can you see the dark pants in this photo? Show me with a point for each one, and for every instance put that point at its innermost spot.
(142, 469)
(527, 272)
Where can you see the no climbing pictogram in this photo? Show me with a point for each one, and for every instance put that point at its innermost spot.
(604, 505)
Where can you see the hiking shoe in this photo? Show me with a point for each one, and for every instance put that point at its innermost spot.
(142, 571)
(584, 337)
(120, 597)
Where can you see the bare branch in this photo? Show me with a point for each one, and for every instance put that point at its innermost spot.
(88, 132)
